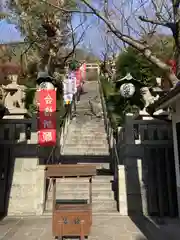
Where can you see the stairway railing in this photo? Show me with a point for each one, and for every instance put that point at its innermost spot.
(115, 162)
(63, 126)
(52, 159)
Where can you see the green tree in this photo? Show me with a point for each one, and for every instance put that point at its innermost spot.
(132, 61)
(45, 28)
(141, 69)
(118, 106)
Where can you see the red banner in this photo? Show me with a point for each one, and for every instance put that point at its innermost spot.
(47, 117)
(78, 78)
(83, 71)
(47, 100)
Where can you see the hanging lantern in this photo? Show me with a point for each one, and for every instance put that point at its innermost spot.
(127, 90)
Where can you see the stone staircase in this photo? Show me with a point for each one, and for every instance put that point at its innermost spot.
(77, 190)
(86, 143)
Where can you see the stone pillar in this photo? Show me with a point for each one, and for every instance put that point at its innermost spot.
(23, 189)
(132, 170)
(122, 193)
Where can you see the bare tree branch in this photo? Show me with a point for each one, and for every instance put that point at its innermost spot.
(156, 22)
(144, 49)
(75, 43)
(66, 10)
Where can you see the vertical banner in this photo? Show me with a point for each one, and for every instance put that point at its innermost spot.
(78, 78)
(47, 118)
(69, 86)
(83, 71)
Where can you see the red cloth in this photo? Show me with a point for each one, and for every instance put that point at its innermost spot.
(83, 71)
(78, 78)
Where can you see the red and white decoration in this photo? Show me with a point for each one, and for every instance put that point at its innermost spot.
(47, 117)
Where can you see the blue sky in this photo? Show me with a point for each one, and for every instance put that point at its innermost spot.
(94, 38)
(9, 33)
(91, 41)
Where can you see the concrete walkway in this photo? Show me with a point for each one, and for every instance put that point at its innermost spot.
(104, 228)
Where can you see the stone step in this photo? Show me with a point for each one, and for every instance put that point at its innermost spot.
(103, 214)
(88, 132)
(85, 151)
(98, 186)
(87, 137)
(105, 205)
(95, 180)
(85, 159)
(99, 166)
(88, 122)
(97, 205)
(91, 125)
(74, 194)
(84, 128)
(87, 141)
(86, 146)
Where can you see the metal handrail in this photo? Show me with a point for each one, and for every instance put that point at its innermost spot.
(62, 125)
(50, 158)
(49, 182)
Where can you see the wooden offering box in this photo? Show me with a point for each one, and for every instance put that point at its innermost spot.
(72, 218)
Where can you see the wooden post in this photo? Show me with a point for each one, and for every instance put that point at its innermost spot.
(90, 190)
(60, 237)
(54, 194)
(82, 230)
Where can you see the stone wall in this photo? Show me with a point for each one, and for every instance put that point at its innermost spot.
(28, 188)
(26, 184)
(26, 166)
(138, 147)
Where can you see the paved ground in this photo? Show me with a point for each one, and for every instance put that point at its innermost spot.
(104, 228)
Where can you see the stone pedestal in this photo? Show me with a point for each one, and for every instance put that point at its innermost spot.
(133, 171)
(26, 178)
(27, 191)
(122, 194)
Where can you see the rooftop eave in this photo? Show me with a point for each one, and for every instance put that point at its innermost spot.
(165, 101)
(169, 102)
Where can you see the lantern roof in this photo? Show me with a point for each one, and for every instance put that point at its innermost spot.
(129, 79)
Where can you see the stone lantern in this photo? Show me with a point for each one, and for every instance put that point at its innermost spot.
(13, 91)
